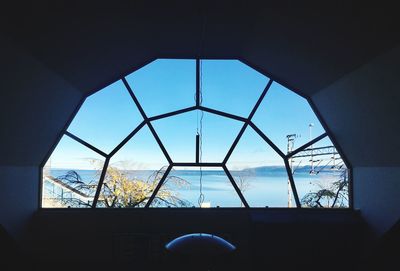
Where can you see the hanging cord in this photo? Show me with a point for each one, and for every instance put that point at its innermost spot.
(200, 133)
(201, 113)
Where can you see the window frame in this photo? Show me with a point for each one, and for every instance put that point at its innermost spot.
(247, 122)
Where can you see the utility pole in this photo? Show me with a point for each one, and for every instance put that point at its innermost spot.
(290, 147)
(310, 126)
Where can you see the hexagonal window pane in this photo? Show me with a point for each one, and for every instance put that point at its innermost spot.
(231, 86)
(178, 133)
(165, 85)
(133, 172)
(260, 172)
(321, 177)
(284, 113)
(70, 176)
(106, 117)
(181, 188)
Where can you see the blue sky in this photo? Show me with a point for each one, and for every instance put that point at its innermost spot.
(109, 115)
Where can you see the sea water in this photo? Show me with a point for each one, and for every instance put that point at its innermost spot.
(261, 187)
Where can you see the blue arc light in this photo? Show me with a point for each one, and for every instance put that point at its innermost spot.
(200, 244)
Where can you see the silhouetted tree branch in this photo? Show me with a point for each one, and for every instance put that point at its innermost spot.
(123, 191)
(337, 193)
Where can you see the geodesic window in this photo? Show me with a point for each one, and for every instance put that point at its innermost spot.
(195, 133)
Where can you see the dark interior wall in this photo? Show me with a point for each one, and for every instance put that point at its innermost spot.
(135, 239)
(18, 197)
(301, 48)
(362, 110)
(35, 104)
(377, 195)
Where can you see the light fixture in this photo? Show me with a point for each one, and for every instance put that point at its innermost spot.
(201, 245)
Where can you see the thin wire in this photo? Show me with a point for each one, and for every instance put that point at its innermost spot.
(200, 123)
(200, 133)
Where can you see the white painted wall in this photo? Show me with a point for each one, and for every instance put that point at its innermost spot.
(377, 195)
(362, 109)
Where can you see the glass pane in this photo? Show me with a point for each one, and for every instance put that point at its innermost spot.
(133, 173)
(233, 81)
(260, 172)
(71, 175)
(178, 134)
(321, 176)
(165, 85)
(284, 113)
(182, 189)
(106, 117)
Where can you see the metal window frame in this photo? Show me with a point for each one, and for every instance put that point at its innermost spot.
(320, 119)
(147, 121)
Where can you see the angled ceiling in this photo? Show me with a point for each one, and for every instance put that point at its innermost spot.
(88, 47)
(306, 47)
